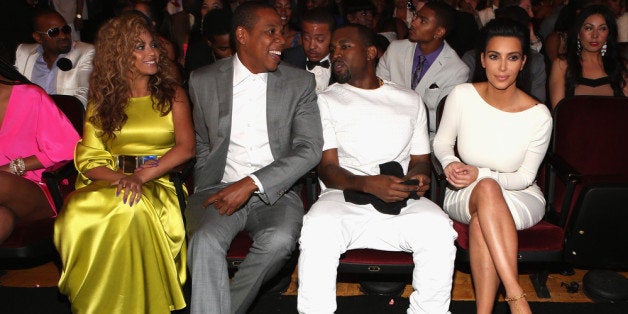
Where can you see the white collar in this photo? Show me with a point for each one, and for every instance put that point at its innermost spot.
(241, 72)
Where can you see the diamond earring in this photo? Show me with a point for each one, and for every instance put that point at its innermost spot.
(604, 49)
(579, 47)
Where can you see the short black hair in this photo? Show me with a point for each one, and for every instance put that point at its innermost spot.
(444, 14)
(42, 13)
(245, 15)
(320, 16)
(216, 22)
(367, 36)
(515, 13)
(353, 6)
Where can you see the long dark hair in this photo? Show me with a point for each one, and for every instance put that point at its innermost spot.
(613, 65)
(502, 27)
(10, 75)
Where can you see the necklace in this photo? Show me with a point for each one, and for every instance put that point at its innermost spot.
(380, 82)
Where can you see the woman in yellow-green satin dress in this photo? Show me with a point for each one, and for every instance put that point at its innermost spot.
(120, 235)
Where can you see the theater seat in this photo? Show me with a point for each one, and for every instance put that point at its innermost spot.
(589, 179)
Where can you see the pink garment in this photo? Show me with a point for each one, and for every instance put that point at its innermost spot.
(34, 125)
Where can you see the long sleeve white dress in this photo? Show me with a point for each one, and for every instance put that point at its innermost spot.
(505, 146)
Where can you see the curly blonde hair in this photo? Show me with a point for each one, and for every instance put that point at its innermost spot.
(114, 67)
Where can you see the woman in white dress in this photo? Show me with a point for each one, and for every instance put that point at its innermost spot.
(502, 135)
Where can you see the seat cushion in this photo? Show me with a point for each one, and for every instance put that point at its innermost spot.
(376, 257)
(240, 246)
(31, 232)
(543, 236)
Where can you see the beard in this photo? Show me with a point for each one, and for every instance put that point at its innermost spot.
(342, 77)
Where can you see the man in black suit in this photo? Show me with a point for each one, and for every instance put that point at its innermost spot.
(313, 55)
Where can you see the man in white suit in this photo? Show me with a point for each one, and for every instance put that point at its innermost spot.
(56, 63)
(425, 62)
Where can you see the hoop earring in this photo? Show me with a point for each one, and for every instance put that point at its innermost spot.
(604, 49)
(578, 46)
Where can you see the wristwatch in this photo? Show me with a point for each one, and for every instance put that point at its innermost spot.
(78, 16)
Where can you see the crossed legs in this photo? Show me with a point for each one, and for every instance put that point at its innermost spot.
(20, 199)
(493, 248)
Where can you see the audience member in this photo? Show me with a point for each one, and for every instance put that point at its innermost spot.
(533, 75)
(425, 62)
(592, 64)
(385, 24)
(487, 14)
(547, 24)
(34, 135)
(120, 235)
(56, 63)
(555, 43)
(464, 30)
(360, 12)
(215, 43)
(258, 131)
(502, 135)
(74, 13)
(313, 55)
(403, 12)
(291, 36)
(536, 42)
(621, 14)
(376, 147)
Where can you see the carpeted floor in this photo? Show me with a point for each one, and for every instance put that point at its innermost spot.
(48, 301)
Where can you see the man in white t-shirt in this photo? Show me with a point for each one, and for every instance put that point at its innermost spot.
(369, 123)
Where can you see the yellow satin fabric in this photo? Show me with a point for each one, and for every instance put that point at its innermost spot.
(117, 258)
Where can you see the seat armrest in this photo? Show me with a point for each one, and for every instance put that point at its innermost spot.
(438, 187)
(53, 176)
(178, 175)
(437, 168)
(571, 177)
(59, 171)
(563, 169)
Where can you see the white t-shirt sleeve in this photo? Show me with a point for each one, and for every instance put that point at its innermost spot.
(329, 133)
(420, 143)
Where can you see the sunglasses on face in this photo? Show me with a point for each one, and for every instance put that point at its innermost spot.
(55, 31)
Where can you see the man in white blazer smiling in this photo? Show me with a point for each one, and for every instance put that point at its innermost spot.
(56, 63)
(425, 62)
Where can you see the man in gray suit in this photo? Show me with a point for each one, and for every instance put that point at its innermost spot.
(258, 130)
(425, 62)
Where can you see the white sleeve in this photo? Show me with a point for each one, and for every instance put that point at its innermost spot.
(447, 132)
(329, 133)
(526, 174)
(383, 66)
(420, 143)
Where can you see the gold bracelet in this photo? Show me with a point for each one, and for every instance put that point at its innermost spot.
(510, 299)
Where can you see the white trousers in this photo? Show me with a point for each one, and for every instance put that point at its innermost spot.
(333, 226)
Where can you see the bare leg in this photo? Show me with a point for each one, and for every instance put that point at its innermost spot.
(20, 199)
(497, 228)
(485, 279)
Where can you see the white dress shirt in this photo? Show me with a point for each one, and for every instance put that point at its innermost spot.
(249, 147)
(322, 75)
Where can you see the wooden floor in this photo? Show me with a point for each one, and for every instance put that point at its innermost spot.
(47, 276)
